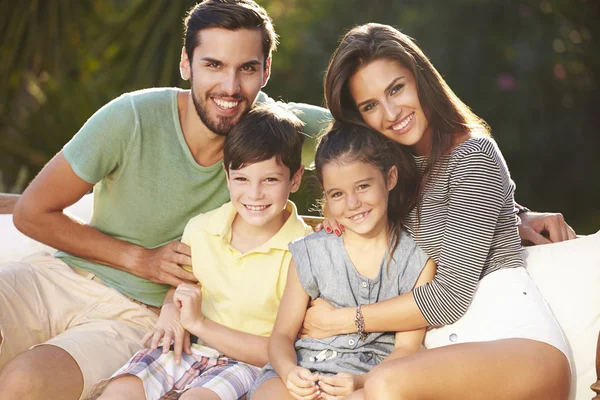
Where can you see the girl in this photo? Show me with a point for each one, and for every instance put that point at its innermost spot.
(375, 260)
(505, 341)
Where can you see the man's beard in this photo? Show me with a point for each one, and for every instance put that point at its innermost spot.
(219, 125)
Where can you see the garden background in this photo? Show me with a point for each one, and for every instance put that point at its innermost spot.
(531, 69)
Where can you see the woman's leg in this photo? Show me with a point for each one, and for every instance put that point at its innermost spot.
(272, 389)
(502, 369)
(128, 387)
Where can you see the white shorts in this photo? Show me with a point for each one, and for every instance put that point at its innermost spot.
(507, 304)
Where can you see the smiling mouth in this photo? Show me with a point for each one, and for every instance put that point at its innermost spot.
(256, 208)
(226, 105)
(359, 217)
(404, 123)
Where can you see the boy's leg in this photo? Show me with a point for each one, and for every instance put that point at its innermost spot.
(126, 387)
(225, 378)
(199, 393)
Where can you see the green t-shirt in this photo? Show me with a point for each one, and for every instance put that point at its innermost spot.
(147, 183)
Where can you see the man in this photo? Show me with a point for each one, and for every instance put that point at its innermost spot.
(154, 160)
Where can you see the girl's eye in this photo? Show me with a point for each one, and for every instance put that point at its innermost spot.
(396, 88)
(335, 195)
(364, 186)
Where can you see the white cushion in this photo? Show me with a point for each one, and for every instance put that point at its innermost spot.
(568, 275)
(14, 245)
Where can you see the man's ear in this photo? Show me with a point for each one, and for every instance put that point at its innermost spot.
(185, 69)
(266, 72)
(392, 178)
(297, 179)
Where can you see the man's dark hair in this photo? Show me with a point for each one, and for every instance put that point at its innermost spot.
(266, 131)
(228, 14)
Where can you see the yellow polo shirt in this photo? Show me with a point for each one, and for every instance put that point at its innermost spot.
(240, 291)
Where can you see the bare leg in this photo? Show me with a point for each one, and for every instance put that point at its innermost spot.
(127, 387)
(356, 395)
(199, 393)
(503, 369)
(272, 389)
(44, 372)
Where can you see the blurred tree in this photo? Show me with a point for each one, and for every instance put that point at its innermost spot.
(530, 68)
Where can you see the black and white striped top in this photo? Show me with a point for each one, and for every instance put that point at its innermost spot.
(468, 227)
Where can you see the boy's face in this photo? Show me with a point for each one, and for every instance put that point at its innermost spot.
(259, 191)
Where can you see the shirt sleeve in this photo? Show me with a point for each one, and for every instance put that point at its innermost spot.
(100, 147)
(301, 256)
(477, 190)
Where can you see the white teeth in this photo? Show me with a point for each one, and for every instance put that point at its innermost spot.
(404, 122)
(358, 216)
(226, 104)
(255, 208)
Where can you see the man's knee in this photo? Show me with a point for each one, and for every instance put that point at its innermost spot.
(41, 372)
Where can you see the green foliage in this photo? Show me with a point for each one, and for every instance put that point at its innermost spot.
(530, 68)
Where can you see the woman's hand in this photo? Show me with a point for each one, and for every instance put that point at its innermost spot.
(302, 384)
(339, 386)
(331, 226)
(320, 321)
(169, 329)
(188, 300)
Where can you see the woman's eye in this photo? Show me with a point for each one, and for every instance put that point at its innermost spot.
(396, 88)
(368, 107)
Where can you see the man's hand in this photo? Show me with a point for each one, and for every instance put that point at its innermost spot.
(339, 386)
(188, 299)
(163, 264)
(168, 328)
(544, 228)
(319, 322)
(301, 383)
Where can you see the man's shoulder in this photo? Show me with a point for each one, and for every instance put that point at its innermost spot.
(152, 97)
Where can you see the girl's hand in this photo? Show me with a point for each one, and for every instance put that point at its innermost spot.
(331, 226)
(188, 299)
(302, 384)
(319, 321)
(169, 329)
(339, 386)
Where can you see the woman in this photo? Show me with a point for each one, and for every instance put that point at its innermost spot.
(491, 334)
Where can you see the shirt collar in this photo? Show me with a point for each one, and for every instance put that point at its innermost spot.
(220, 225)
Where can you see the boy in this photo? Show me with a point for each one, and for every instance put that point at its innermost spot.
(240, 257)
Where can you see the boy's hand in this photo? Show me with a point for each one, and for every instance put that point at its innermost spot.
(188, 299)
(169, 329)
(339, 386)
(301, 383)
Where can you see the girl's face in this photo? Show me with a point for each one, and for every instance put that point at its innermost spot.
(357, 195)
(385, 93)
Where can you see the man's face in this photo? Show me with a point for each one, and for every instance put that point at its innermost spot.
(226, 74)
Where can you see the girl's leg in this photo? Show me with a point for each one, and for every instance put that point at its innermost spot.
(502, 369)
(272, 389)
(128, 387)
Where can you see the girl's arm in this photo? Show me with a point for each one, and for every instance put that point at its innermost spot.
(282, 353)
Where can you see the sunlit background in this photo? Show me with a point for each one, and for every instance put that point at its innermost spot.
(531, 69)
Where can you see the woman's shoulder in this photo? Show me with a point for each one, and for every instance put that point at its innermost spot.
(477, 149)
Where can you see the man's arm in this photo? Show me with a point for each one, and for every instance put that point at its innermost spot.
(39, 214)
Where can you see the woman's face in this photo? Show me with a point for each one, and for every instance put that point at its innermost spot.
(385, 93)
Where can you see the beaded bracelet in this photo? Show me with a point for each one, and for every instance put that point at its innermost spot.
(359, 321)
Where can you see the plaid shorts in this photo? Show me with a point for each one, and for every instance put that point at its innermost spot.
(165, 380)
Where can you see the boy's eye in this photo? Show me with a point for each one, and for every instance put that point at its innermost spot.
(396, 88)
(240, 179)
(271, 179)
